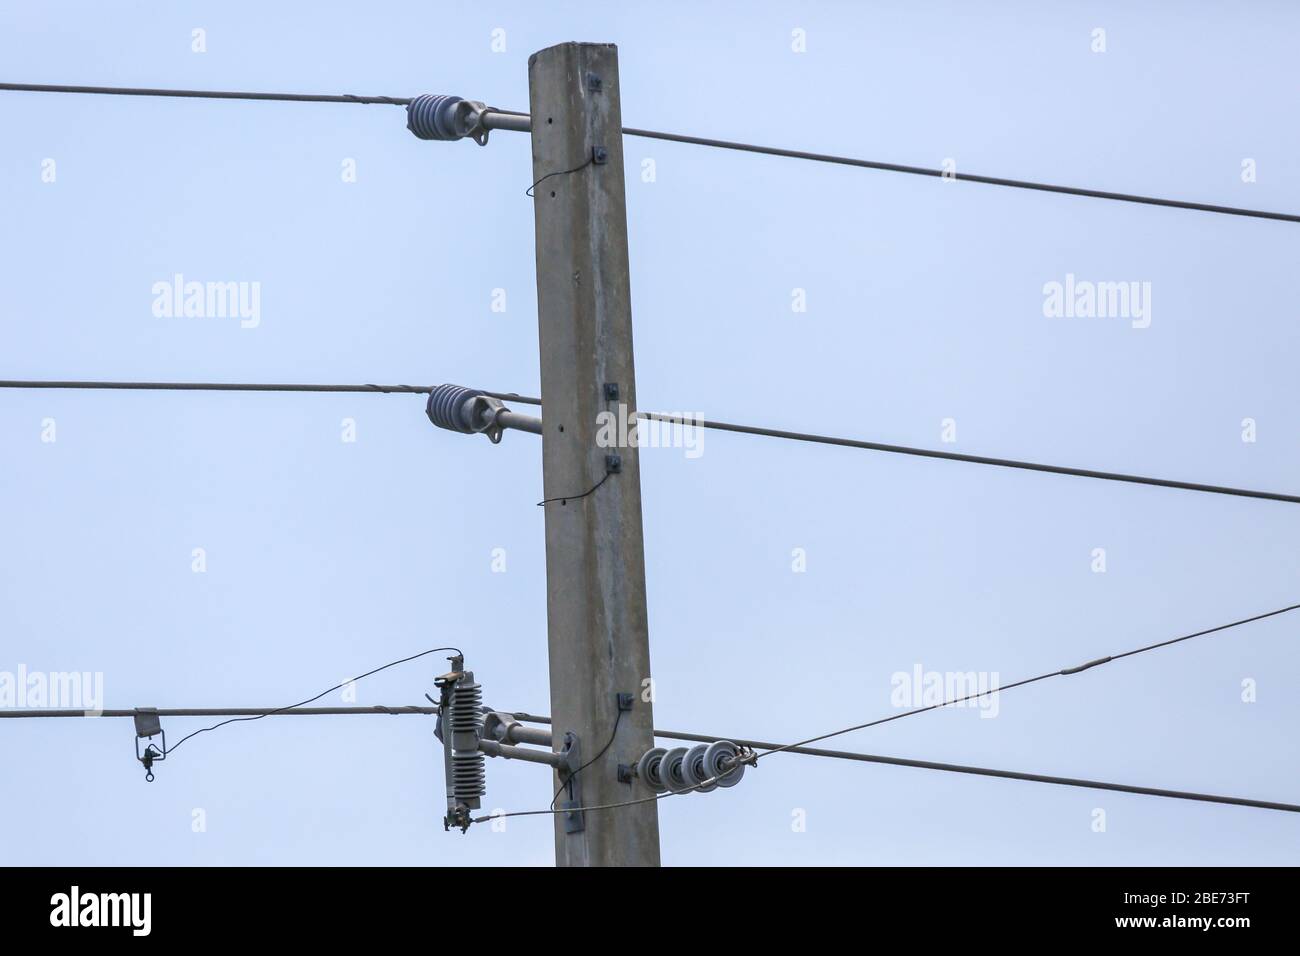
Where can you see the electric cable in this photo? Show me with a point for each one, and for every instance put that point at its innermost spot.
(565, 499)
(1064, 672)
(330, 690)
(698, 423)
(970, 459)
(960, 177)
(753, 759)
(392, 709)
(955, 768)
(246, 387)
(690, 140)
(559, 172)
(206, 94)
(573, 776)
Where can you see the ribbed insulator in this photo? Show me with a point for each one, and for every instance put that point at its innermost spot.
(447, 406)
(465, 715)
(433, 116)
(466, 707)
(467, 777)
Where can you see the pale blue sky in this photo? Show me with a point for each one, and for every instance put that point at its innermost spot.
(924, 303)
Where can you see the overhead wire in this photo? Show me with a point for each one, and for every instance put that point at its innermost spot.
(689, 421)
(954, 768)
(1064, 672)
(754, 759)
(952, 456)
(390, 709)
(206, 94)
(689, 139)
(329, 690)
(244, 387)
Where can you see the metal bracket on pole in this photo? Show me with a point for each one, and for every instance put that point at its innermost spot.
(573, 816)
(506, 729)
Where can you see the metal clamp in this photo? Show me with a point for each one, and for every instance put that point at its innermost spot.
(149, 725)
(573, 816)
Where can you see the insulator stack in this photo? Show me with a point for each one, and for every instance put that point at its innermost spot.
(691, 769)
(465, 718)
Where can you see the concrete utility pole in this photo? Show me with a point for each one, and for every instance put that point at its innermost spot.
(595, 562)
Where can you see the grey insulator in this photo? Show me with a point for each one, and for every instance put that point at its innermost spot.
(695, 771)
(448, 408)
(466, 718)
(647, 769)
(437, 116)
(721, 760)
(685, 769)
(670, 770)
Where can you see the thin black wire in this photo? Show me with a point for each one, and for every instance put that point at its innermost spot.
(966, 177)
(1068, 781)
(206, 94)
(559, 172)
(698, 423)
(1031, 680)
(392, 709)
(972, 459)
(567, 498)
(695, 141)
(573, 776)
(963, 769)
(606, 806)
(303, 703)
(250, 387)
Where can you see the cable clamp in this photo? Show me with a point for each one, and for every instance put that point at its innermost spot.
(149, 725)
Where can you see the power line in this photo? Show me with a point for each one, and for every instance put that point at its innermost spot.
(205, 94)
(391, 709)
(514, 122)
(690, 421)
(250, 387)
(329, 690)
(960, 768)
(1032, 680)
(237, 714)
(963, 177)
(1040, 778)
(404, 709)
(971, 459)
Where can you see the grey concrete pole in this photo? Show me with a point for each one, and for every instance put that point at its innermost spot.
(595, 564)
